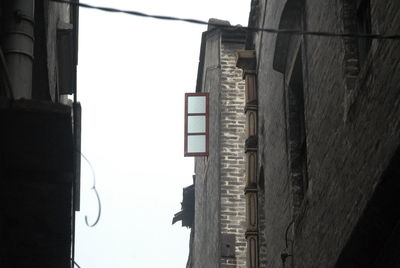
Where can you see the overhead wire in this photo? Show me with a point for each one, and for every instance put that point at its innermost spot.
(285, 254)
(251, 29)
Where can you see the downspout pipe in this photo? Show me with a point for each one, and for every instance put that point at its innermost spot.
(18, 42)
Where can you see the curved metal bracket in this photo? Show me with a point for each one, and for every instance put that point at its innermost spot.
(99, 212)
(97, 195)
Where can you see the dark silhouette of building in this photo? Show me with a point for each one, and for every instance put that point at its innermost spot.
(40, 133)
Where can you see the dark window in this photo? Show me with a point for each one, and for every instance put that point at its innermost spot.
(196, 124)
(296, 132)
(65, 59)
(363, 26)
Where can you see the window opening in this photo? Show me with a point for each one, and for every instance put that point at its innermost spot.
(297, 133)
(196, 124)
(363, 26)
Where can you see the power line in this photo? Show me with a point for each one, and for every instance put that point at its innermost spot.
(250, 29)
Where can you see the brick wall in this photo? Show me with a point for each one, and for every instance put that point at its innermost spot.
(233, 180)
(219, 226)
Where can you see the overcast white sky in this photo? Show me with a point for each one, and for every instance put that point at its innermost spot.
(132, 76)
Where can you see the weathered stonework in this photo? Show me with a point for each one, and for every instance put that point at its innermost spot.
(233, 158)
(352, 133)
(246, 61)
(220, 207)
(321, 143)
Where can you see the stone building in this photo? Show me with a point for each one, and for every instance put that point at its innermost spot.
(327, 128)
(40, 133)
(319, 161)
(217, 232)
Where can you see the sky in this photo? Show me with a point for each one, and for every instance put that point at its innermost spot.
(132, 76)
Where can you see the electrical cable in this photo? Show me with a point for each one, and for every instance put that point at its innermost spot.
(285, 254)
(287, 233)
(251, 29)
(95, 191)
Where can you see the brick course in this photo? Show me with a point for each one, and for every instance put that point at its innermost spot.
(232, 157)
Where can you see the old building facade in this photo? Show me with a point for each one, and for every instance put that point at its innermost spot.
(217, 235)
(40, 133)
(328, 133)
(319, 166)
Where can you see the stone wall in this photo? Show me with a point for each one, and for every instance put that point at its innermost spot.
(352, 130)
(272, 144)
(205, 250)
(351, 135)
(219, 225)
(233, 177)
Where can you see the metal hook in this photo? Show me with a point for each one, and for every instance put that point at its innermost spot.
(95, 191)
(99, 211)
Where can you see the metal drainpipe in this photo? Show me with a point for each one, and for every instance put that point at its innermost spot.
(18, 44)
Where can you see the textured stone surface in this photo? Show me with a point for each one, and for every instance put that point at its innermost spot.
(233, 180)
(220, 177)
(352, 132)
(207, 169)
